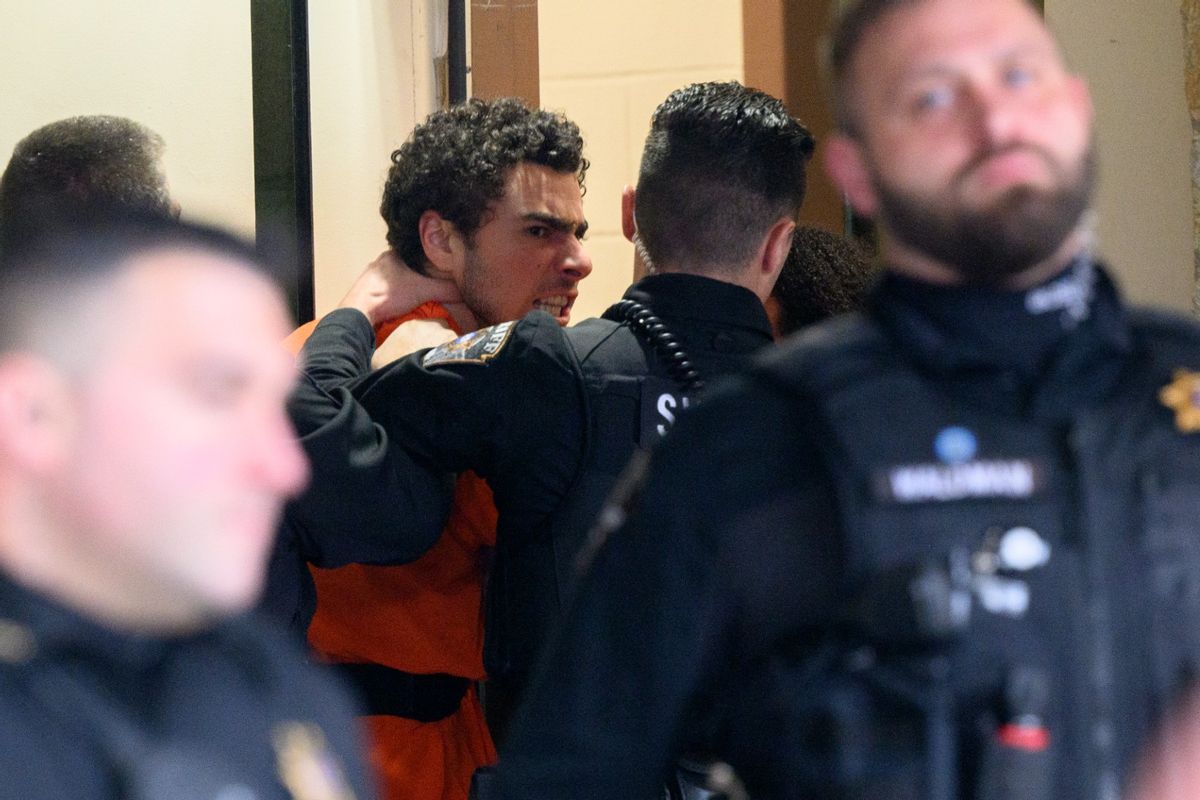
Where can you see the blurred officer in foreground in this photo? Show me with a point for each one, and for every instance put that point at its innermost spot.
(144, 458)
(945, 548)
(550, 416)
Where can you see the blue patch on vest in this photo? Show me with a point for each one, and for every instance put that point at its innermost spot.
(955, 445)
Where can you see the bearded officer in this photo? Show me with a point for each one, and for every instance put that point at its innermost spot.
(945, 548)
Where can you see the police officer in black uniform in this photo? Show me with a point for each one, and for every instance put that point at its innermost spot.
(549, 417)
(145, 454)
(942, 549)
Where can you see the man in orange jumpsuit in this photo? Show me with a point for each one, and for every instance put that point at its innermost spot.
(486, 197)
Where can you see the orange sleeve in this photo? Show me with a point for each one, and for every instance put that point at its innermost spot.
(296, 339)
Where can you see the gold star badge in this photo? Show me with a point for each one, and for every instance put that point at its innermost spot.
(307, 767)
(1182, 395)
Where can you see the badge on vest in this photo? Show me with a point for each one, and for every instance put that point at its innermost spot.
(662, 403)
(958, 475)
(307, 767)
(473, 348)
(1182, 395)
(999, 565)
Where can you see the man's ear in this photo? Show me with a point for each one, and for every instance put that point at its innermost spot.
(36, 418)
(846, 165)
(776, 246)
(1081, 95)
(442, 244)
(628, 204)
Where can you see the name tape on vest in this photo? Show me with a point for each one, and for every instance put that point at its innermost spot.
(970, 480)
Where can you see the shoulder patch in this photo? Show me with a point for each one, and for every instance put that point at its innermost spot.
(471, 348)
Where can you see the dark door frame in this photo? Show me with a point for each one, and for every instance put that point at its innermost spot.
(283, 192)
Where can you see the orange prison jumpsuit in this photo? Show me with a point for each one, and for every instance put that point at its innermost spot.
(422, 617)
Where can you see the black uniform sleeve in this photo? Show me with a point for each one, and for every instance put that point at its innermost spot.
(726, 554)
(344, 515)
(506, 402)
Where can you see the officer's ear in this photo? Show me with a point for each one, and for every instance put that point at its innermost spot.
(846, 164)
(36, 414)
(443, 245)
(773, 255)
(628, 204)
(629, 227)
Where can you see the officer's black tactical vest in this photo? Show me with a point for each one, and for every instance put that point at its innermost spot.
(1067, 556)
(629, 404)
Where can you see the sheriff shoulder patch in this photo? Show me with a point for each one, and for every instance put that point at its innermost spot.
(471, 348)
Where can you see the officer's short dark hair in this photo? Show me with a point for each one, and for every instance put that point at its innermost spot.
(825, 274)
(102, 161)
(851, 22)
(722, 163)
(457, 162)
(75, 255)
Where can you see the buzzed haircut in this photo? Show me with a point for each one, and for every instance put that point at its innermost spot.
(825, 274)
(457, 162)
(74, 257)
(722, 163)
(81, 162)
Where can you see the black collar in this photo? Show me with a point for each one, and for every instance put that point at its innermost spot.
(57, 630)
(1042, 350)
(678, 295)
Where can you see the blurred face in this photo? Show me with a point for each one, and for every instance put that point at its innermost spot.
(527, 253)
(180, 454)
(974, 142)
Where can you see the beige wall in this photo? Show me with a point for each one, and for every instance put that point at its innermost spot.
(607, 65)
(372, 80)
(183, 69)
(1132, 54)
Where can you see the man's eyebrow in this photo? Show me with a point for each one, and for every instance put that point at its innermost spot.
(558, 223)
(937, 69)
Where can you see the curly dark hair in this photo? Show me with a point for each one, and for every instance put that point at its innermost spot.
(80, 162)
(825, 274)
(457, 161)
(721, 164)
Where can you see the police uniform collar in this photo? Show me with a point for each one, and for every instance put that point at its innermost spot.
(1013, 346)
(55, 629)
(682, 295)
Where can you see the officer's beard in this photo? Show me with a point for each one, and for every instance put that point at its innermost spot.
(989, 245)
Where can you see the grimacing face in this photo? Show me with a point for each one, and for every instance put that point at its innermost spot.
(527, 253)
(181, 455)
(974, 146)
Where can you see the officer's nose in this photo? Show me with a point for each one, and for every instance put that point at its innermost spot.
(996, 115)
(278, 462)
